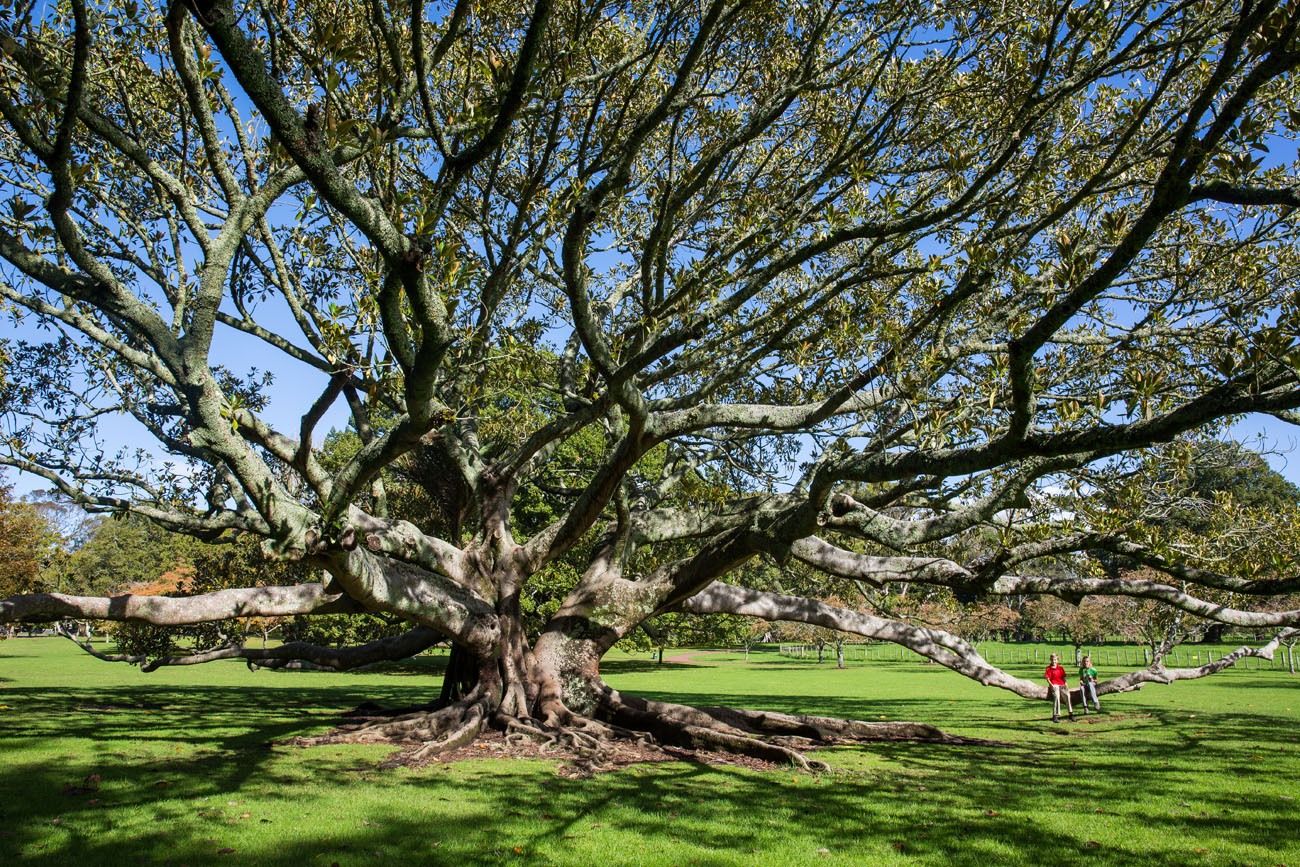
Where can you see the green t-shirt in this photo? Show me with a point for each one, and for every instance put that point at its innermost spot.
(1088, 673)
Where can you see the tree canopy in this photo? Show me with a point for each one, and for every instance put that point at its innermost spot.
(645, 302)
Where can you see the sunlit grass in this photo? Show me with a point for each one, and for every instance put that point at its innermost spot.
(1200, 772)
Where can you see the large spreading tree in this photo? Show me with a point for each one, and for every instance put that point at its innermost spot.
(646, 300)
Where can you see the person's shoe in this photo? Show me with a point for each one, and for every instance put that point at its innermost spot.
(1056, 719)
(1071, 717)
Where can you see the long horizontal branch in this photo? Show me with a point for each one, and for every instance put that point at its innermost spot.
(428, 597)
(407, 542)
(947, 573)
(1241, 395)
(1231, 194)
(674, 524)
(1160, 674)
(877, 571)
(944, 648)
(849, 514)
(178, 610)
(1073, 588)
(768, 416)
(390, 649)
(199, 526)
(1204, 577)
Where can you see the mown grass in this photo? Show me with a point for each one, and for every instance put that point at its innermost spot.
(1195, 773)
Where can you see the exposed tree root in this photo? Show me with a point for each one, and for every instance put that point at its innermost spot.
(623, 730)
(688, 727)
(765, 735)
(589, 746)
(585, 751)
(423, 733)
(823, 729)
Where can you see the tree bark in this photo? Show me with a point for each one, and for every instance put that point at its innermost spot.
(461, 675)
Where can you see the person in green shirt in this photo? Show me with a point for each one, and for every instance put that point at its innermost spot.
(1088, 684)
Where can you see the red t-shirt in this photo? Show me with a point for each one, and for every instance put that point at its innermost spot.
(1055, 675)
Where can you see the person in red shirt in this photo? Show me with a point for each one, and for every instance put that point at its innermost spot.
(1056, 686)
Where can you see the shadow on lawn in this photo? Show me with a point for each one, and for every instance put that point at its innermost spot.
(724, 815)
(231, 717)
(639, 666)
(768, 663)
(981, 805)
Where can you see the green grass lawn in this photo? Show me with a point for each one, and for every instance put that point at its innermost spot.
(1202, 772)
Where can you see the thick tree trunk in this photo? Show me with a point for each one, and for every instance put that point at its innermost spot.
(566, 663)
(1214, 633)
(552, 694)
(461, 675)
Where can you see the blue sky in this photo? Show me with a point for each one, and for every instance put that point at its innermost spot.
(296, 385)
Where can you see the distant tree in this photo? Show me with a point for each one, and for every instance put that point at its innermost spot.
(147, 640)
(1183, 485)
(821, 636)
(1225, 467)
(71, 523)
(1213, 507)
(1088, 622)
(676, 630)
(119, 552)
(1290, 642)
(982, 621)
(26, 545)
(1156, 627)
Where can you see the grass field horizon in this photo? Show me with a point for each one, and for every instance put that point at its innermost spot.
(1194, 773)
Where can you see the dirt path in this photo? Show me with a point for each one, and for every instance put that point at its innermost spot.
(686, 658)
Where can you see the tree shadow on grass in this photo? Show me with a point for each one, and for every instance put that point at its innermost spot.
(229, 717)
(784, 664)
(421, 666)
(638, 666)
(1242, 681)
(946, 806)
(186, 774)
